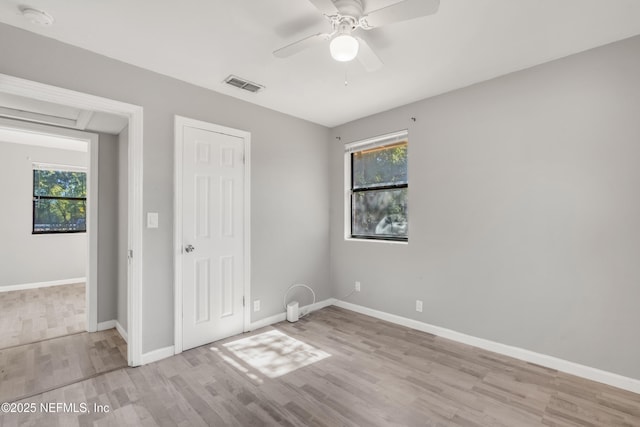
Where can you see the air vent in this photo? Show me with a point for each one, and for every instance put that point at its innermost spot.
(243, 84)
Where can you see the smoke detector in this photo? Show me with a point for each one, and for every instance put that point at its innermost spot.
(37, 17)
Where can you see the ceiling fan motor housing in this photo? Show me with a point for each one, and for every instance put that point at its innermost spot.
(345, 25)
(350, 8)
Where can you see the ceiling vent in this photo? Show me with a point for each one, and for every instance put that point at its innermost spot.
(243, 84)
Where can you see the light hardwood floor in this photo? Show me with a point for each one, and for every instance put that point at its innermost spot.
(36, 314)
(30, 369)
(364, 372)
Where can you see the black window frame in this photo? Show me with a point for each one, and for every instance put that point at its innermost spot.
(36, 198)
(401, 138)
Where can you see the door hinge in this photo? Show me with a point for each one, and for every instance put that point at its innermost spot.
(130, 254)
(243, 300)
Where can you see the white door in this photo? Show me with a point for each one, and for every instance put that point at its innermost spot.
(213, 236)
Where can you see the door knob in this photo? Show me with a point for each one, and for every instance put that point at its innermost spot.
(189, 248)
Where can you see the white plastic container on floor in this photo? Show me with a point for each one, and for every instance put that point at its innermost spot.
(293, 311)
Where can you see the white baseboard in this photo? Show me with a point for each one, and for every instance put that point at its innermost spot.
(562, 365)
(159, 354)
(267, 321)
(282, 316)
(121, 331)
(317, 306)
(36, 285)
(110, 324)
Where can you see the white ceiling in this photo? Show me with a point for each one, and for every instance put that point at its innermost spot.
(35, 111)
(203, 41)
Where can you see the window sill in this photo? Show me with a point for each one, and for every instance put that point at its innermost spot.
(392, 242)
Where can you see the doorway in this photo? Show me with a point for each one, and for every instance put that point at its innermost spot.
(49, 230)
(212, 233)
(51, 94)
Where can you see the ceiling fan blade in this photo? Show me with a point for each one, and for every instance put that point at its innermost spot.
(301, 45)
(367, 57)
(402, 11)
(325, 6)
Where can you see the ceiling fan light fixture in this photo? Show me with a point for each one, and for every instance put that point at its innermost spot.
(344, 48)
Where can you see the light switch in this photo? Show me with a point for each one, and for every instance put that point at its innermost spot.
(152, 219)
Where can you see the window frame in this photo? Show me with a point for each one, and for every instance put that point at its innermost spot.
(35, 198)
(361, 145)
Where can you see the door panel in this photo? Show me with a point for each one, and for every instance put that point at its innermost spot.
(213, 215)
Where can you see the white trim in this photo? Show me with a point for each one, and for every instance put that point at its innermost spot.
(247, 230)
(159, 354)
(33, 117)
(83, 119)
(558, 364)
(57, 167)
(113, 324)
(179, 125)
(135, 224)
(346, 185)
(388, 242)
(376, 141)
(23, 286)
(306, 309)
(276, 318)
(122, 332)
(43, 92)
(178, 144)
(92, 234)
(35, 134)
(349, 149)
(109, 324)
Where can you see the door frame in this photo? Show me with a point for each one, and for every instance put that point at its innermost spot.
(179, 124)
(44, 92)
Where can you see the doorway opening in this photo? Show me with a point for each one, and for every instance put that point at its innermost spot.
(46, 94)
(48, 236)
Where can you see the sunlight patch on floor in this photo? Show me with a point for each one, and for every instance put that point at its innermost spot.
(237, 365)
(274, 354)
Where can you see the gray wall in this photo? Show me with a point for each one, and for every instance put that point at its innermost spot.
(123, 221)
(107, 227)
(524, 211)
(24, 257)
(289, 204)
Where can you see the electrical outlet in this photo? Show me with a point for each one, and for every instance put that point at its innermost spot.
(357, 286)
(256, 305)
(419, 306)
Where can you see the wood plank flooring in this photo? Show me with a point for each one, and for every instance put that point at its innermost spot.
(35, 314)
(375, 374)
(31, 369)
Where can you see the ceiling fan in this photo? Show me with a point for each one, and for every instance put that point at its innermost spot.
(346, 17)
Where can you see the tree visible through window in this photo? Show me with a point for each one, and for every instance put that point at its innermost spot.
(59, 201)
(379, 190)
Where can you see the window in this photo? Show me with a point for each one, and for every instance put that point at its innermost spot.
(59, 199)
(377, 188)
